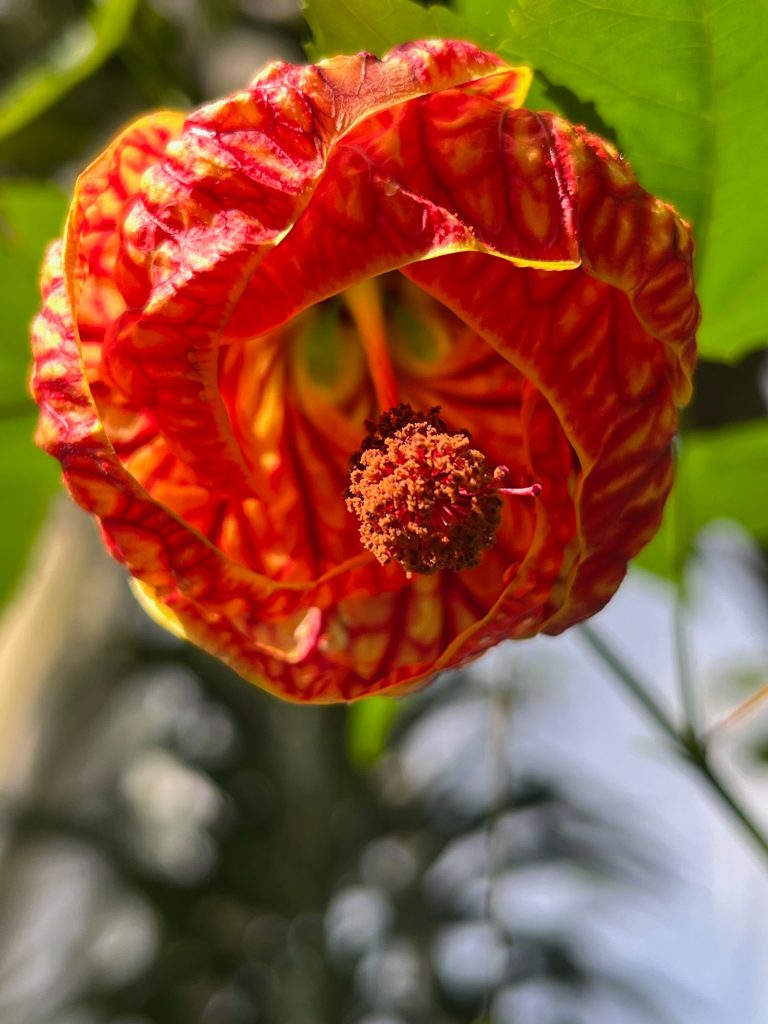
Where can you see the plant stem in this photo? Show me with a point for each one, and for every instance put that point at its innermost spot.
(690, 746)
(730, 801)
(683, 660)
(679, 530)
(751, 703)
(629, 680)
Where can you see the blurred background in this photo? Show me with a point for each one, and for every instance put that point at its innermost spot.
(514, 845)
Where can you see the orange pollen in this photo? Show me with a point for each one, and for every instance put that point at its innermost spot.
(423, 496)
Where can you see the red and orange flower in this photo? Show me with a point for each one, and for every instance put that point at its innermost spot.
(372, 289)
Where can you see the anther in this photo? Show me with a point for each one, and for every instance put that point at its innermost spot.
(423, 496)
(501, 473)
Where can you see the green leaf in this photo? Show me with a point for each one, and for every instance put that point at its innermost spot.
(721, 474)
(683, 89)
(369, 723)
(733, 279)
(30, 214)
(348, 26)
(75, 55)
(641, 68)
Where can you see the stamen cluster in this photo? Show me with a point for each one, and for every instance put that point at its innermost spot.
(424, 497)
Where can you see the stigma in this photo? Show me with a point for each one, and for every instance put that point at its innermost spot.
(423, 496)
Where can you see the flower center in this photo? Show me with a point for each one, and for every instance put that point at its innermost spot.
(424, 497)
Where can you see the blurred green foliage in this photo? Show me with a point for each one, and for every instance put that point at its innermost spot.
(369, 725)
(722, 474)
(75, 55)
(31, 213)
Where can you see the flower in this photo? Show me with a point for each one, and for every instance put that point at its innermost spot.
(366, 368)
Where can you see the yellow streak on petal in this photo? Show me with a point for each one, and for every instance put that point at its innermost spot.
(363, 301)
(509, 86)
(157, 610)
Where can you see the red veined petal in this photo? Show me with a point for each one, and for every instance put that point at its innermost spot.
(227, 192)
(179, 381)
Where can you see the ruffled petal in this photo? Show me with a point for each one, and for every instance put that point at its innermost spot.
(303, 642)
(229, 190)
(609, 348)
(201, 378)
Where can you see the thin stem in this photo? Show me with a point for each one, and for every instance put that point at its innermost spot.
(746, 707)
(730, 801)
(687, 744)
(683, 662)
(630, 680)
(363, 300)
(677, 516)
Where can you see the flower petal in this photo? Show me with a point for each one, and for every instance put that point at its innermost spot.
(185, 358)
(611, 359)
(228, 190)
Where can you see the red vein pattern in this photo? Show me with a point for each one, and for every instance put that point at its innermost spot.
(203, 384)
